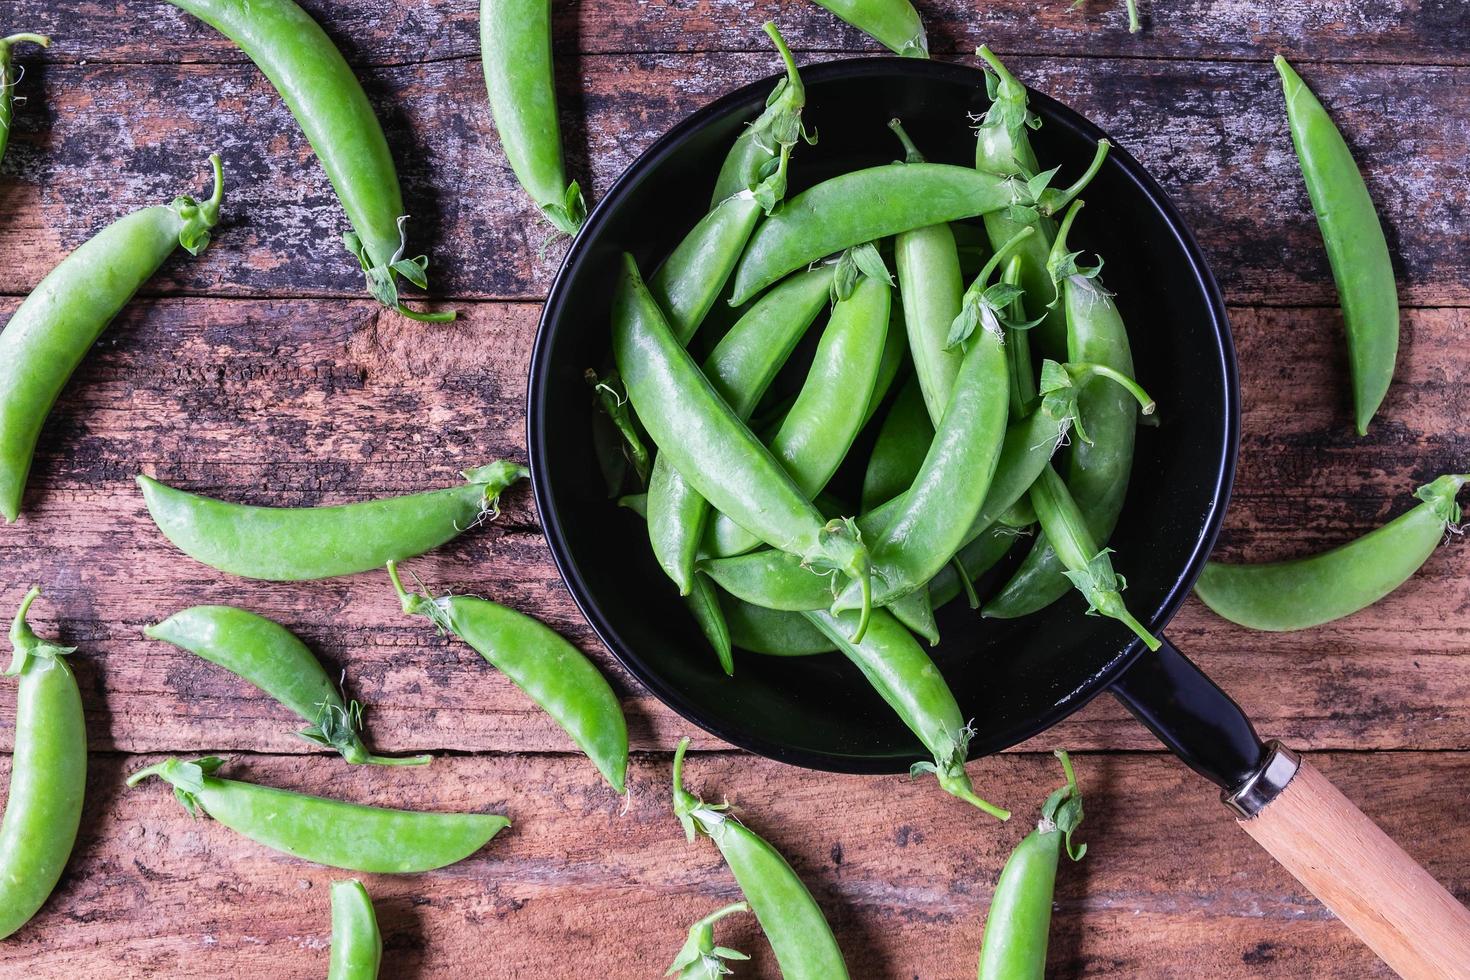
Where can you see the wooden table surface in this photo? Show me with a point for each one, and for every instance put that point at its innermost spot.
(259, 373)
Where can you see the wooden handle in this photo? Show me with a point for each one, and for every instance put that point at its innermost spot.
(1358, 872)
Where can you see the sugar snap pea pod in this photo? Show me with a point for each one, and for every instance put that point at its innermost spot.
(791, 919)
(613, 403)
(741, 368)
(1019, 923)
(329, 832)
(930, 286)
(275, 660)
(700, 958)
(904, 676)
(709, 445)
(1304, 592)
(8, 79)
(1098, 472)
(1022, 371)
(1356, 248)
(893, 23)
(48, 774)
(773, 633)
(757, 162)
(1088, 567)
(357, 945)
(293, 544)
(903, 439)
(314, 81)
(515, 49)
(552, 672)
(704, 606)
(62, 318)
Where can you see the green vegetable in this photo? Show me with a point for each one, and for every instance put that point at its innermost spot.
(357, 945)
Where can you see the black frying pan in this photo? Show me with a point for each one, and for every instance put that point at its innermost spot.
(1015, 678)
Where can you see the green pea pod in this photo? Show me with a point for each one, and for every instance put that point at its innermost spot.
(552, 672)
(1306, 592)
(903, 441)
(48, 774)
(791, 919)
(704, 606)
(293, 544)
(1356, 248)
(895, 24)
(700, 958)
(709, 445)
(62, 318)
(272, 658)
(8, 79)
(328, 832)
(757, 163)
(773, 633)
(1098, 472)
(357, 945)
(1088, 567)
(741, 368)
(515, 49)
(315, 82)
(1021, 368)
(904, 676)
(1019, 923)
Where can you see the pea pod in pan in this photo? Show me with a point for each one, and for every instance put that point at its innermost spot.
(275, 660)
(48, 774)
(898, 453)
(357, 945)
(292, 544)
(8, 78)
(515, 51)
(893, 23)
(1306, 592)
(552, 672)
(315, 82)
(62, 318)
(793, 922)
(328, 832)
(757, 162)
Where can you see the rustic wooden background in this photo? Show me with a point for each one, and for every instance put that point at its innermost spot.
(258, 373)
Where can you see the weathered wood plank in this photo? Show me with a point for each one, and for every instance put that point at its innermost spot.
(97, 140)
(903, 872)
(376, 32)
(305, 402)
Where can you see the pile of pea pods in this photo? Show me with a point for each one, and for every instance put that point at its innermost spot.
(999, 381)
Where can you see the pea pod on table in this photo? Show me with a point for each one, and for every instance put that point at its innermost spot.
(1018, 927)
(292, 544)
(1305, 592)
(272, 658)
(700, 958)
(893, 23)
(515, 51)
(1356, 247)
(357, 944)
(8, 79)
(49, 335)
(328, 832)
(48, 774)
(552, 672)
(315, 82)
(793, 922)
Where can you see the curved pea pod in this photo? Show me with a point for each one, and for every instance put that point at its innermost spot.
(700, 958)
(1306, 592)
(292, 544)
(709, 445)
(1100, 467)
(8, 79)
(1356, 247)
(49, 335)
(895, 24)
(315, 82)
(863, 206)
(515, 50)
(357, 945)
(48, 774)
(903, 440)
(272, 658)
(770, 632)
(704, 605)
(757, 163)
(1018, 927)
(791, 919)
(904, 676)
(552, 672)
(328, 832)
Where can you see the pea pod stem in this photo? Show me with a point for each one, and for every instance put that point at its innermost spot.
(758, 162)
(700, 958)
(8, 81)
